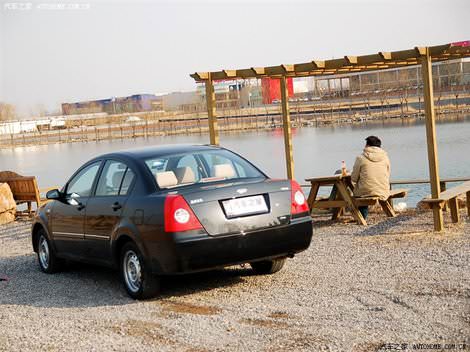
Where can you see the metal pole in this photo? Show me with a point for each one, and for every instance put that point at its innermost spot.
(287, 128)
(426, 68)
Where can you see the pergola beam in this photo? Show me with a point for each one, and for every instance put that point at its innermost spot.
(352, 60)
(305, 67)
(336, 63)
(319, 64)
(349, 63)
(230, 73)
(288, 68)
(245, 73)
(385, 55)
(274, 70)
(258, 70)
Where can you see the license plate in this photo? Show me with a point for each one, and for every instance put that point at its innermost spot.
(245, 206)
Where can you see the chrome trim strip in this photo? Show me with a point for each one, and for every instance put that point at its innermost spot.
(101, 237)
(67, 234)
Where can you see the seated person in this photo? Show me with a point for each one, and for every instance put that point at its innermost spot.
(371, 173)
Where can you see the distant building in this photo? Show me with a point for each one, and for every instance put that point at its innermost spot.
(130, 104)
(234, 94)
(183, 101)
(272, 89)
(228, 94)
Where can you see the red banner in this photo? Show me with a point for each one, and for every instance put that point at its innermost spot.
(463, 43)
(271, 88)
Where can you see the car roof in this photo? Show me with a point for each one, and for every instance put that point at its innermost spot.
(161, 150)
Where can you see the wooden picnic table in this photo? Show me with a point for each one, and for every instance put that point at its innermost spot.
(344, 197)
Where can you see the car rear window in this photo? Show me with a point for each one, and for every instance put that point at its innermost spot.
(200, 167)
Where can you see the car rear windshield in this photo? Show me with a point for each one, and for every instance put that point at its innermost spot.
(200, 167)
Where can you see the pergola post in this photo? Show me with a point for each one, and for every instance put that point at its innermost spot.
(211, 115)
(287, 128)
(426, 69)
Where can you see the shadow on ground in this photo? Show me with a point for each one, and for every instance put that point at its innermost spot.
(81, 286)
(378, 224)
(385, 226)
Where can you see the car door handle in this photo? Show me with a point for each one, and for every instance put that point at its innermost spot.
(116, 206)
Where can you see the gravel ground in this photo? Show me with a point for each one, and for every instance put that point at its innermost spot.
(354, 289)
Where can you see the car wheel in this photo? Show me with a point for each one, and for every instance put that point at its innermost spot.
(138, 280)
(48, 262)
(268, 266)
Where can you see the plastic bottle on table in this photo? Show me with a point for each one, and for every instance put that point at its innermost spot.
(343, 168)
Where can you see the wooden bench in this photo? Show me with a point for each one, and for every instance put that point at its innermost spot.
(338, 205)
(24, 188)
(449, 198)
(387, 205)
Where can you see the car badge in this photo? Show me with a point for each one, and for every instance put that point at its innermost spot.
(242, 190)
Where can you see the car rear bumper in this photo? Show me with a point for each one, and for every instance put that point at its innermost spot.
(204, 252)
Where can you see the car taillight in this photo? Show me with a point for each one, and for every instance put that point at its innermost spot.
(298, 201)
(178, 215)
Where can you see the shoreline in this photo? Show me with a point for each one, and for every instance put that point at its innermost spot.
(160, 128)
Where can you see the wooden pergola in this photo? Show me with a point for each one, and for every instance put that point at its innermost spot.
(423, 56)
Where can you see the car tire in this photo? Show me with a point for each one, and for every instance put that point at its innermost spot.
(138, 280)
(268, 266)
(47, 259)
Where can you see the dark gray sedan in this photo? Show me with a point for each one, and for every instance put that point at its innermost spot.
(170, 210)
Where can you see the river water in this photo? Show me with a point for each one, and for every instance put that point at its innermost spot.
(317, 151)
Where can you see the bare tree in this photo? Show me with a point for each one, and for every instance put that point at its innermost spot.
(7, 112)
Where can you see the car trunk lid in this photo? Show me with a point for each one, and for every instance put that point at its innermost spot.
(240, 207)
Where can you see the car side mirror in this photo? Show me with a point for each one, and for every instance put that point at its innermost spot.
(54, 194)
